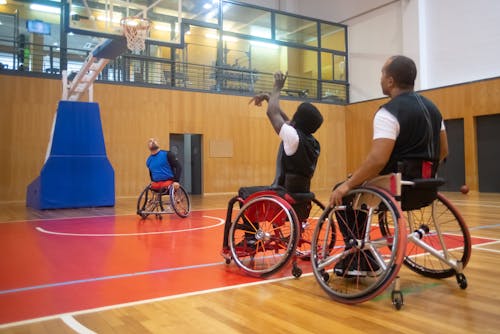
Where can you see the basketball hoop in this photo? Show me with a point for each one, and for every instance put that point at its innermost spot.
(135, 30)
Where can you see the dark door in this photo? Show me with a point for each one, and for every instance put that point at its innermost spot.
(187, 147)
(453, 170)
(488, 151)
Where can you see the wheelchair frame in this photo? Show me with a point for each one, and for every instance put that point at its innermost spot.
(267, 232)
(359, 267)
(151, 202)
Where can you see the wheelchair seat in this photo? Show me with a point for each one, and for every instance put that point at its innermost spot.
(160, 198)
(418, 193)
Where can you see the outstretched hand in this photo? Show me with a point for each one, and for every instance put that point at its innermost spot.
(259, 98)
(279, 80)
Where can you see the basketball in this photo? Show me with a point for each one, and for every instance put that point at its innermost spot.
(464, 189)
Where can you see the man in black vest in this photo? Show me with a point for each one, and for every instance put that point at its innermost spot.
(298, 152)
(409, 129)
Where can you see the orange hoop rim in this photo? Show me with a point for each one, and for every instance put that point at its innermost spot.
(134, 22)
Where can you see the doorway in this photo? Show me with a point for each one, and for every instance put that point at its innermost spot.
(453, 170)
(187, 147)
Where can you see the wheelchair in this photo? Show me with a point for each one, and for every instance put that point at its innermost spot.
(359, 247)
(271, 228)
(158, 201)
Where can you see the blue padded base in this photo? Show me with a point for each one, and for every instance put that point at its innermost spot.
(77, 173)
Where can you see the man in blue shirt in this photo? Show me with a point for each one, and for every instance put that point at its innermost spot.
(164, 168)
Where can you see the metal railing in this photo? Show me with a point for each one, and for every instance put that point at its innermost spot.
(158, 72)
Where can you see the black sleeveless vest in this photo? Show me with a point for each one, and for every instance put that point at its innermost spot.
(420, 126)
(295, 172)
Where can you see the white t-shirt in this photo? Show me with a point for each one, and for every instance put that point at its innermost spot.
(385, 125)
(290, 139)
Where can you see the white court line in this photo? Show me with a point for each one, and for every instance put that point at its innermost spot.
(27, 220)
(42, 230)
(146, 301)
(75, 325)
(487, 249)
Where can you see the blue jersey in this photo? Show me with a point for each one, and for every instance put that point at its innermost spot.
(159, 167)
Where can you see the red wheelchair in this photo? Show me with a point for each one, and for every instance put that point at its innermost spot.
(271, 228)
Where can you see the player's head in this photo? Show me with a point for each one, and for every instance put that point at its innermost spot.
(398, 72)
(307, 118)
(153, 144)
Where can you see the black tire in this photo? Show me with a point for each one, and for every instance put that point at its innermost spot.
(454, 234)
(337, 259)
(142, 202)
(180, 201)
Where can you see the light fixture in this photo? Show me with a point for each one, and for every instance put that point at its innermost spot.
(3, 2)
(46, 9)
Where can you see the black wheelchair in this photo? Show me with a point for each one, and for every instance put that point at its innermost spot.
(159, 200)
(271, 228)
(359, 247)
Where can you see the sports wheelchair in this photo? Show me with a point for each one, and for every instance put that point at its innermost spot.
(271, 228)
(158, 199)
(358, 247)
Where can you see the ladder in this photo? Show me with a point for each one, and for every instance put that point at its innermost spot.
(91, 68)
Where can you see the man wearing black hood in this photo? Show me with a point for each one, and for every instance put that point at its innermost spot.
(299, 150)
(297, 155)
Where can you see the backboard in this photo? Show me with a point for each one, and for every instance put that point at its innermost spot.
(103, 17)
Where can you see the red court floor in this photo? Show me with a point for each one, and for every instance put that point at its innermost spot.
(64, 265)
(56, 266)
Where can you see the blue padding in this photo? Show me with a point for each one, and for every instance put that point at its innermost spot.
(77, 172)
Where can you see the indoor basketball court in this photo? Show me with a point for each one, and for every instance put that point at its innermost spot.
(92, 250)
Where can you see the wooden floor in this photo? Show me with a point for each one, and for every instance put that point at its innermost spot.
(288, 305)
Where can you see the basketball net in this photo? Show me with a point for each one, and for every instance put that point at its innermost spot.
(135, 30)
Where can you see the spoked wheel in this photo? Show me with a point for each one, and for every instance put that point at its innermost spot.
(353, 258)
(263, 236)
(179, 199)
(447, 233)
(307, 230)
(149, 202)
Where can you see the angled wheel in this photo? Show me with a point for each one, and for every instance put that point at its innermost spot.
(180, 202)
(148, 203)
(359, 247)
(307, 230)
(263, 236)
(447, 234)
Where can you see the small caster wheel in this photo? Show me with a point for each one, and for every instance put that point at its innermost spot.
(397, 299)
(462, 281)
(296, 272)
(325, 276)
(228, 261)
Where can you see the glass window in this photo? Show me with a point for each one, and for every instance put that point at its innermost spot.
(296, 30)
(201, 10)
(246, 20)
(333, 37)
(334, 92)
(99, 17)
(339, 69)
(200, 46)
(326, 66)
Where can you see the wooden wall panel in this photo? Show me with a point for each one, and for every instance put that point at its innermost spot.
(131, 115)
